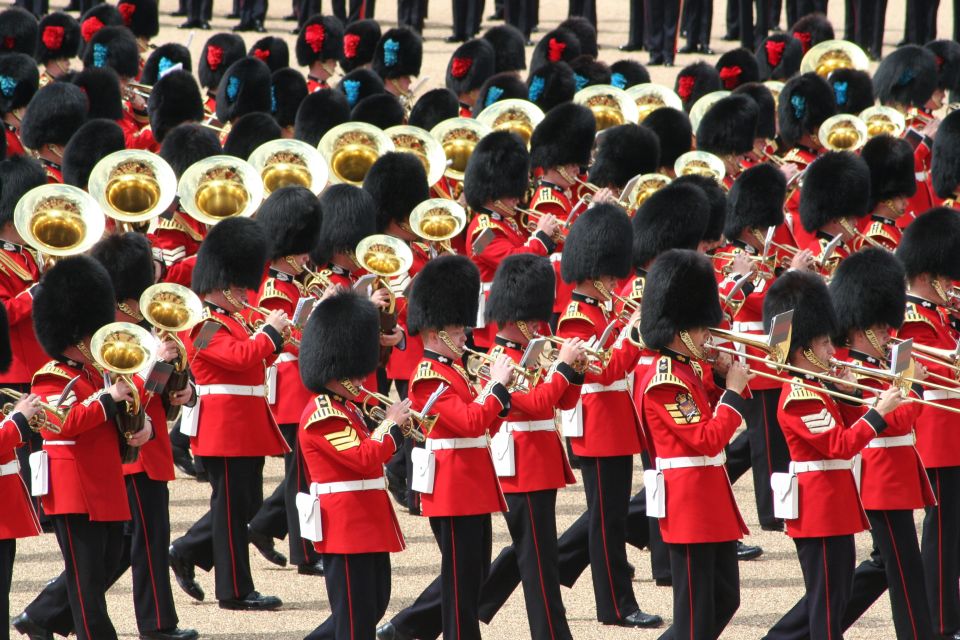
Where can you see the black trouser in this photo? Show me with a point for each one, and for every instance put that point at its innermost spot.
(635, 30)
(921, 23)
(277, 516)
(411, 13)
(700, 16)
(467, 15)
(532, 560)
(219, 538)
(522, 14)
(252, 11)
(359, 10)
(358, 587)
(752, 32)
(733, 18)
(583, 8)
(706, 589)
(8, 551)
(870, 21)
(661, 19)
(768, 449)
(940, 550)
(199, 10)
(304, 10)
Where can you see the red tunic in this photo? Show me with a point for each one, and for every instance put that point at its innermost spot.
(883, 231)
(19, 519)
(19, 271)
(819, 244)
(402, 362)
(53, 171)
(552, 199)
(315, 84)
(14, 146)
(801, 157)
(156, 456)
(177, 237)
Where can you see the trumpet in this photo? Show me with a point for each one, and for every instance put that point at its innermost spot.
(478, 365)
(596, 357)
(39, 420)
(853, 231)
(315, 282)
(416, 428)
(287, 332)
(758, 260)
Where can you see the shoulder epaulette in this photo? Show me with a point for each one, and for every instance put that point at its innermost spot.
(9, 265)
(665, 375)
(547, 195)
(799, 394)
(636, 290)
(324, 410)
(176, 223)
(53, 369)
(483, 222)
(573, 312)
(794, 156)
(913, 315)
(425, 372)
(879, 229)
(270, 290)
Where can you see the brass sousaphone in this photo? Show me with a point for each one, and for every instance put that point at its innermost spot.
(59, 220)
(843, 132)
(220, 187)
(830, 55)
(883, 120)
(649, 97)
(611, 106)
(700, 163)
(437, 219)
(133, 186)
(420, 143)
(517, 116)
(289, 163)
(351, 149)
(458, 137)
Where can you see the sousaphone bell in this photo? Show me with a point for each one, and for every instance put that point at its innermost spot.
(59, 220)
(458, 137)
(425, 147)
(611, 106)
(649, 97)
(843, 132)
(289, 163)
(883, 120)
(351, 149)
(700, 163)
(517, 116)
(220, 187)
(133, 186)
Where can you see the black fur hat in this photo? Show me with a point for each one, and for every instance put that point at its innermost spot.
(434, 107)
(18, 174)
(836, 185)
(398, 183)
(717, 198)
(695, 81)
(807, 296)
(74, 299)
(551, 84)
(92, 142)
(729, 126)
(128, 259)
(627, 73)
(175, 99)
(360, 40)
(947, 55)
(600, 243)
(501, 86)
(559, 45)
(233, 254)
(499, 167)
(586, 34)
(249, 132)
(359, 84)
(623, 152)
(188, 143)
(290, 218)
(114, 47)
(163, 59)
(288, 88)
(675, 217)
(907, 76)
(383, 110)
(445, 293)
(680, 293)
(101, 86)
(564, 136)
(399, 53)
(737, 67)
(55, 113)
(852, 90)
(766, 105)
(18, 31)
(673, 129)
(6, 352)
(320, 38)
(811, 30)
(588, 71)
(508, 46)
(470, 66)
(59, 37)
(755, 200)
(931, 244)
(220, 51)
(805, 102)
(21, 78)
(523, 290)
(319, 112)
(945, 163)
(891, 168)
(349, 216)
(340, 341)
(97, 17)
(779, 56)
(272, 51)
(3, 146)
(869, 289)
(140, 16)
(245, 88)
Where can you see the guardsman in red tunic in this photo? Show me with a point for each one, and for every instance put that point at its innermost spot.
(341, 347)
(52, 117)
(219, 52)
(891, 186)
(291, 218)
(349, 216)
(727, 130)
(699, 518)
(443, 303)
(319, 46)
(824, 435)
(469, 67)
(230, 374)
(21, 77)
(528, 450)
(945, 163)
(58, 44)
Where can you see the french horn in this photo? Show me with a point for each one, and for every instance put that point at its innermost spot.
(385, 257)
(351, 149)
(883, 120)
(59, 220)
(830, 55)
(843, 132)
(611, 106)
(650, 96)
(220, 187)
(700, 163)
(458, 137)
(425, 147)
(517, 116)
(701, 106)
(437, 219)
(289, 163)
(133, 186)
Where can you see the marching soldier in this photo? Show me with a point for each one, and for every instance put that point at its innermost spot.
(219, 53)
(945, 162)
(397, 60)
(349, 216)
(469, 67)
(22, 73)
(53, 115)
(727, 130)
(319, 46)
(695, 81)
(892, 184)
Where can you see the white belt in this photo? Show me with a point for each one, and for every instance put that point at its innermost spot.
(893, 441)
(485, 287)
(324, 488)
(286, 357)
(596, 387)
(748, 326)
(435, 444)
(821, 465)
(10, 468)
(65, 443)
(921, 176)
(231, 390)
(531, 425)
(940, 394)
(685, 462)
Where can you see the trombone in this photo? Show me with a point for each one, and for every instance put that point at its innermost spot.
(900, 380)
(416, 428)
(856, 233)
(39, 420)
(478, 366)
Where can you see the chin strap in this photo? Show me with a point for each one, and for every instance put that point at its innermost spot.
(231, 299)
(566, 176)
(894, 208)
(295, 264)
(602, 290)
(351, 388)
(814, 360)
(524, 329)
(136, 315)
(935, 284)
(874, 341)
(694, 350)
(82, 348)
(445, 338)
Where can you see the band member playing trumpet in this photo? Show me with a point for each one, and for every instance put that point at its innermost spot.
(892, 184)
(727, 130)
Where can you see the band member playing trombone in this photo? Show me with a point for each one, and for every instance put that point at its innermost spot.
(892, 184)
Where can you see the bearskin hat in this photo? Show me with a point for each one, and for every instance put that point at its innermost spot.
(947, 55)
(188, 143)
(470, 66)
(175, 99)
(508, 48)
(349, 216)
(523, 290)
(811, 30)
(737, 67)
(868, 289)
(59, 37)
(807, 296)
(564, 136)
(249, 132)
(729, 126)
(498, 168)
(695, 81)
(360, 40)
(945, 164)
(673, 129)
(319, 112)
(623, 152)
(220, 51)
(766, 105)
(101, 86)
(852, 90)
(836, 185)
(114, 47)
(6, 351)
(680, 293)
(74, 299)
(128, 259)
(628, 73)
(398, 183)
(551, 84)
(141, 17)
(779, 56)
(162, 60)
(755, 200)
(502, 86)
(383, 110)
(907, 76)
(559, 45)
(340, 341)
(891, 168)
(97, 17)
(53, 115)
(233, 254)
(588, 71)
(18, 174)
(290, 218)
(805, 102)
(717, 198)
(586, 34)
(245, 88)
(599, 244)
(399, 53)
(434, 107)
(20, 78)
(320, 38)
(272, 51)
(288, 88)
(92, 142)
(359, 84)
(3, 146)
(445, 293)
(931, 244)
(18, 31)
(674, 217)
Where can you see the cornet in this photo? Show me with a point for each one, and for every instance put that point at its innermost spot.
(478, 365)
(287, 332)
(417, 428)
(596, 357)
(39, 420)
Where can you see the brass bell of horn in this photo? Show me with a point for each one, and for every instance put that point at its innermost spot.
(289, 163)
(638, 189)
(650, 96)
(701, 106)
(220, 187)
(883, 120)
(458, 137)
(437, 219)
(611, 106)
(517, 116)
(351, 149)
(425, 147)
(830, 55)
(59, 220)
(133, 186)
(700, 163)
(843, 132)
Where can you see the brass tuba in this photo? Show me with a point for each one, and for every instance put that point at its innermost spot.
(351, 149)
(289, 163)
(458, 137)
(701, 106)
(649, 97)
(830, 55)
(220, 187)
(843, 132)
(701, 163)
(517, 116)
(59, 220)
(133, 186)
(611, 106)
(425, 147)
(639, 188)
(437, 219)
(883, 120)
(387, 258)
